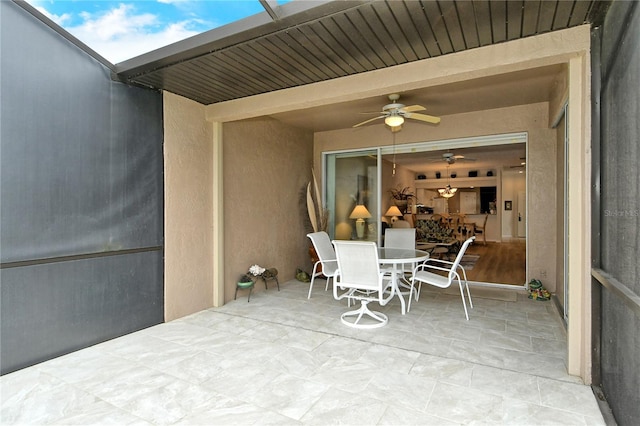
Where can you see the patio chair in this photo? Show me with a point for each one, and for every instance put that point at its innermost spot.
(361, 279)
(403, 239)
(430, 272)
(327, 265)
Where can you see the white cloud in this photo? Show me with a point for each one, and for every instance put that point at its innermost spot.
(58, 19)
(121, 33)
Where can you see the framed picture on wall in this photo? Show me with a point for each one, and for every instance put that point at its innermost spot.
(508, 205)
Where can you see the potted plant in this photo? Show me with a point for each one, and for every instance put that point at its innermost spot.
(401, 197)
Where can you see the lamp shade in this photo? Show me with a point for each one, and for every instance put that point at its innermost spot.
(393, 211)
(360, 212)
(394, 120)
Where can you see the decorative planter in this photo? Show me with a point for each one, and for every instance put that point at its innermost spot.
(244, 285)
(401, 204)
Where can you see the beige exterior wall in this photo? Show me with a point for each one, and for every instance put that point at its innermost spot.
(267, 166)
(188, 192)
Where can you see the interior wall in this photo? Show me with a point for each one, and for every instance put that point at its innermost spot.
(540, 174)
(188, 174)
(512, 183)
(267, 166)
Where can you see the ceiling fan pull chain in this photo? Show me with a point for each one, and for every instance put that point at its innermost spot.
(394, 154)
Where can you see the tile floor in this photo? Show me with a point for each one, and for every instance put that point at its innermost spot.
(283, 359)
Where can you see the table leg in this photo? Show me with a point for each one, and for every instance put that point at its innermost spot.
(396, 288)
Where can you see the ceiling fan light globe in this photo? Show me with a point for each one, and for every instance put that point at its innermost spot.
(394, 120)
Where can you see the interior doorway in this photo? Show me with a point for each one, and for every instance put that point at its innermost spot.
(489, 174)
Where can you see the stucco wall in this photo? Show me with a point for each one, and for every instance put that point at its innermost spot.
(188, 208)
(541, 171)
(267, 166)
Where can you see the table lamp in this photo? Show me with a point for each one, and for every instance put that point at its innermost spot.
(394, 212)
(360, 213)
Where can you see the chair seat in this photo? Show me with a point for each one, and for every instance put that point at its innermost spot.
(433, 279)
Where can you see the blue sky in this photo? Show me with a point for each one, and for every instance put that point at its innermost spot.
(120, 30)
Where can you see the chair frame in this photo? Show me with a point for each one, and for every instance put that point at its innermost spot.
(355, 291)
(421, 274)
(329, 266)
(407, 236)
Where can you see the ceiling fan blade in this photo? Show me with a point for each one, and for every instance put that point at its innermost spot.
(423, 117)
(368, 121)
(413, 108)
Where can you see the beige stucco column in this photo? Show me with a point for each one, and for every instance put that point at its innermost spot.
(217, 208)
(579, 214)
(188, 207)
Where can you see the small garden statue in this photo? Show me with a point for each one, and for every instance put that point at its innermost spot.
(537, 291)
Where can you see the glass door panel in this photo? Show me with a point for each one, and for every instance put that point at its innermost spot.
(352, 195)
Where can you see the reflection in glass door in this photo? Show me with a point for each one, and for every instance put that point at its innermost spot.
(352, 195)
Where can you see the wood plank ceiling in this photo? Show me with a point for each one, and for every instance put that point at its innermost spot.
(336, 39)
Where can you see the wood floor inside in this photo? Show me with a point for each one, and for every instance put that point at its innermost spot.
(502, 263)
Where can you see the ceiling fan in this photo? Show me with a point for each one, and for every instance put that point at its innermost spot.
(395, 113)
(450, 158)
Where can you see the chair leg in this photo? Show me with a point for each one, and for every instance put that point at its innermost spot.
(313, 277)
(380, 318)
(411, 290)
(464, 302)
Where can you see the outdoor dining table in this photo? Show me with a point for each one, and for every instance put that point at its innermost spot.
(397, 257)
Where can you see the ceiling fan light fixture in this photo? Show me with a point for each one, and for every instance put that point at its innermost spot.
(394, 120)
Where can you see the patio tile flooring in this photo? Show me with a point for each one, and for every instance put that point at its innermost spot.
(283, 359)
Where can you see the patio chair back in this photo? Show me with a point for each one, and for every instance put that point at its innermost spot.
(358, 265)
(327, 258)
(400, 238)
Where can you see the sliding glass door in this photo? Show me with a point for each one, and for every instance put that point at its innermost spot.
(352, 192)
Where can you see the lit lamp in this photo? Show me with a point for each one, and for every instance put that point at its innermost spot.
(447, 191)
(360, 213)
(394, 212)
(394, 120)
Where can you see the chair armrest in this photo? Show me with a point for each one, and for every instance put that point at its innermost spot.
(446, 262)
(424, 266)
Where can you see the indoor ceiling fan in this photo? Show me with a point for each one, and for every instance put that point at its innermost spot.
(450, 158)
(395, 113)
